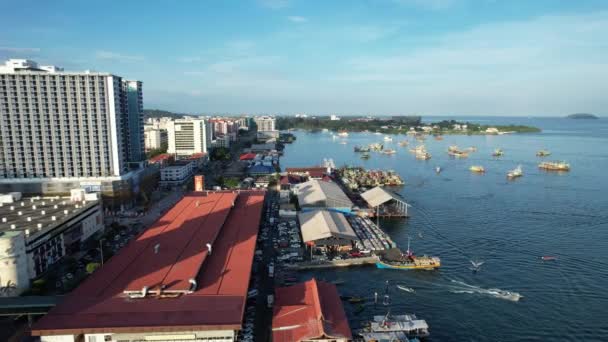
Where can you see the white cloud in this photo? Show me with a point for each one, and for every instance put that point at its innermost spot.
(275, 4)
(115, 56)
(12, 49)
(297, 19)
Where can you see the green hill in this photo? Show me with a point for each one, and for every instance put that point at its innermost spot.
(582, 116)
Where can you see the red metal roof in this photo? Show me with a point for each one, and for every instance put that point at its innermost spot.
(100, 305)
(308, 310)
(197, 155)
(160, 157)
(314, 172)
(247, 156)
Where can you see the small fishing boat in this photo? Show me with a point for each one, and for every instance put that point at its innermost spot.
(497, 153)
(359, 309)
(403, 143)
(361, 148)
(476, 265)
(405, 288)
(343, 134)
(365, 155)
(346, 297)
(472, 149)
(477, 168)
(543, 153)
(354, 300)
(554, 166)
(548, 258)
(388, 138)
(389, 151)
(437, 169)
(517, 172)
(423, 155)
(438, 137)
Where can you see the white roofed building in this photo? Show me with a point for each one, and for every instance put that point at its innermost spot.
(321, 194)
(324, 228)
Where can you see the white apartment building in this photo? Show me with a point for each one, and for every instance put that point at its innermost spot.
(177, 173)
(265, 123)
(63, 130)
(188, 136)
(223, 141)
(155, 139)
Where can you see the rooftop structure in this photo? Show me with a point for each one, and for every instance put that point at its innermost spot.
(325, 225)
(187, 275)
(320, 194)
(386, 201)
(307, 312)
(36, 232)
(315, 172)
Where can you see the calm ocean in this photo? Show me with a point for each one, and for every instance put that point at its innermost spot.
(459, 216)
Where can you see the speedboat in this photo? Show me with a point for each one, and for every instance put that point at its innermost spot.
(405, 288)
(517, 172)
(548, 258)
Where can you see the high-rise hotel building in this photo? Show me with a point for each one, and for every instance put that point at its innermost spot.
(63, 130)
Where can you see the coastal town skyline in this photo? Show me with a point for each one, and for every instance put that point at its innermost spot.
(441, 57)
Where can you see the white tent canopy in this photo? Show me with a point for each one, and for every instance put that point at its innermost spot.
(322, 224)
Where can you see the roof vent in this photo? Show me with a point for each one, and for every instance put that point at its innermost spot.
(43, 212)
(53, 218)
(193, 284)
(34, 207)
(55, 206)
(209, 248)
(19, 213)
(32, 200)
(22, 204)
(4, 220)
(13, 226)
(12, 207)
(39, 225)
(43, 203)
(65, 212)
(29, 219)
(156, 248)
(27, 232)
(76, 206)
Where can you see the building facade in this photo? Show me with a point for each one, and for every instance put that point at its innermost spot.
(37, 232)
(265, 123)
(177, 173)
(155, 139)
(188, 136)
(66, 127)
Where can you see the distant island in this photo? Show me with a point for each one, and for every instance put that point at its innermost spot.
(582, 116)
(395, 125)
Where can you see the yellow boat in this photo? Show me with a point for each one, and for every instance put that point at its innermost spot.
(477, 168)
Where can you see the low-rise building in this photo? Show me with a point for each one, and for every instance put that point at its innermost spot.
(309, 311)
(37, 232)
(177, 173)
(184, 279)
(316, 194)
(327, 229)
(155, 139)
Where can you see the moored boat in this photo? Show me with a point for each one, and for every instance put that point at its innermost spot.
(343, 134)
(497, 153)
(517, 172)
(543, 153)
(423, 155)
(389, 151)
(403, 143)
(408, 261)
(554, 166)
(365, 155)
(395, 328)
(477, 168)
(361, 148)
(388, 138)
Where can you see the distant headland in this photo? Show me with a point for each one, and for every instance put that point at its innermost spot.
(582, 116)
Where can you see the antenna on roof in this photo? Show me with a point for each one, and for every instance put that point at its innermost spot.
(156, 248)
(209, 248)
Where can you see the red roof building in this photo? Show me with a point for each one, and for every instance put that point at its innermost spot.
(309, 311)
(162, 159)
(315, 172)
(188, 273)
(247, 156)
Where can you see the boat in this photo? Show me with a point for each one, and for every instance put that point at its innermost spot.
(401, 326)
(417, 149)
(342, 142)
(403, 143)
(423, 155)
(354, 300)
(405, 288)
(472, 149)
(438, 137)
(548, 258)
(346, 297)
(554, 166)
(476, 265)
(365, 155)
(386, 337)
(517, 172)
(477, 168)
(409, 261)
(361, 148)
(455, 152)
(343, 134)
(389, 151)
(376, 147)
(497, 153)
(453, 148)
(437, 169)
(388, 138)
(543, 153)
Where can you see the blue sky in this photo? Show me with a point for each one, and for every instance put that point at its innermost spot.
(432, 57)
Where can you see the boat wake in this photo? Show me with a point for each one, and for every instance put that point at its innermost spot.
(497, 293)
